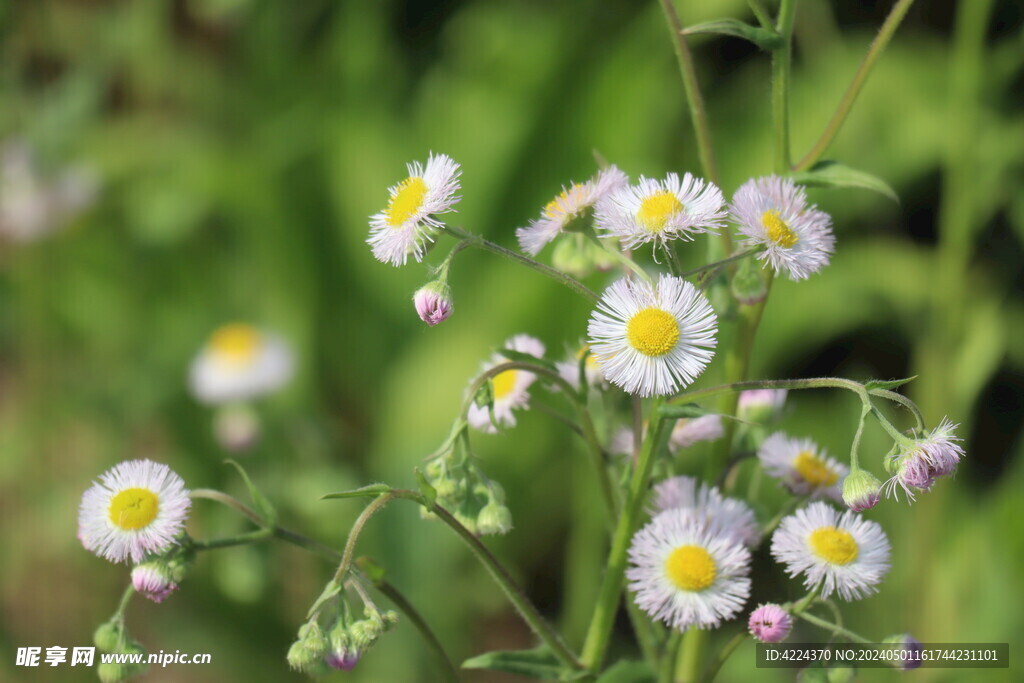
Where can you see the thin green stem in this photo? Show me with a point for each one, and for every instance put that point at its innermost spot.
(787, 507)
(895, 433)
(855, 447)
(892, 22)
(761, 14)
(485, 244)
(622, 258)
(781, 59)
(834, 628)
(691, 652)
(903, 401)
(808, 383)
(242, 539)
(674, 266)
(600, 629)
(229, 501)
(718, 264)
(667, 666)
(716, 664)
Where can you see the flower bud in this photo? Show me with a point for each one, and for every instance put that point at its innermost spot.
(111, 672)
(761, 405)
(749, 284)
(908, 644)
(433, 302)
(308, 651)
(494, 519)
(770, 623)
(152, 580)
(106, 636)
(236, 427)
(861, 490)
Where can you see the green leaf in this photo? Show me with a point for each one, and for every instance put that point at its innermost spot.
(887, 383)
(373, 571)
(536, 663)
(764, 38)
(686, 410)
(627, 671)
(371, 491)
(834, 174)
(262, 503)
(428, 491)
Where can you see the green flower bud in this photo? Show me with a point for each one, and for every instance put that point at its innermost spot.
(106, 636)
(111, 672)
(494, 519)
(308, 651)
(749, 284)
(841, 674)
(861, 490)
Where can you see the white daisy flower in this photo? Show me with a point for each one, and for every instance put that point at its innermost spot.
(572, 203)
(135, 509)
(240, 362)
(933, 456)
(689, 431)
(805, 469)
(569, 370)
(729, 516)
(511, 387)
(686, 573)
(772, 212)
(652, 339)
(662, 210)
(845, 553)
(409, 222)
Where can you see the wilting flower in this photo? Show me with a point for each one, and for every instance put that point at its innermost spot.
(652, 339)
(662, 210)
(805, 469)
(136, 508)
(772, 213)
(845, 553)
(770, 623)
(410, 220)
(570, 205)
(511, 387)
(433, 302)
(240, 362)
(687, 574)
(918, 466)
(729, 516)
(861, 490)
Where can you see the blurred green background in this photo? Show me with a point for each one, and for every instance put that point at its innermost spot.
(240, 146)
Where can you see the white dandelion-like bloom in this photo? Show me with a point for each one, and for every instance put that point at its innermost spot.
(408, 223)
(572, 203)
(652, 339)
(772, 212)
(845, 553)
(933, 456)
(511, 387)
(569, 370)
(688, 431)
(136, 508)
(686, 573)
(662, 210)
(728, 516)
(240, 362)
(802, 466)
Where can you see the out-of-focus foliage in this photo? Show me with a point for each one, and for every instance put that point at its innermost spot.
(241, 144)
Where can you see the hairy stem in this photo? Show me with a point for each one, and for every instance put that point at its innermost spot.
(781, 59)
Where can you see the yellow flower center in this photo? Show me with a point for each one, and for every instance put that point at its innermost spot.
(557, 207)
(833, 545)
(236, 343)
(778, 231)
(134, 508)
(504, 383)
(656, 209)
(406, 202)
(691, 568)
(652, 332)
(814, 470)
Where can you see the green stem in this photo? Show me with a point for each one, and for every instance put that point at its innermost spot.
(761, 13)
(892, 22)
(834, 628)
(690, 655)
(855, 448)
(718, 264)
(903, 401)
(787, 507)
(485, 244)
(896, 434)
(241, 539)
(809, 383)
(622, 258)
(716, 664)
(667, 666)
(781, 59)
(608, 598)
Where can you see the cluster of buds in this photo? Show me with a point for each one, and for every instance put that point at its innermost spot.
(343, 645)
(916, 464)
(112, 638)
(157, 577)
(476, 501)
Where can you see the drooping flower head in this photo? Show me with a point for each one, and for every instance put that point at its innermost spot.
(136, 508)
(153, 580)
(845, 553)
(240, 362)
(408, 223)
(861, 490)
(917, 467)
(433, 302)
(728, 516)
(685, 573)
(688, 431)
(770, 623)
(804, 468)
(652, 339)
(570, 205)
(662, 210)
(511, 387)
(761, 405)
(772, 212)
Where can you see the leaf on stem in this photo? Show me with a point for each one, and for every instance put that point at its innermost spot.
(428, 491)
(536, 663)
(764, 38)
(889, 384)
(262, 503)
(371, 491)
(628, 671)
(682, 411)
(835, 174)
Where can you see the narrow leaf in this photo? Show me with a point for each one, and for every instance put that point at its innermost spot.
(686, 410)
(428, 491)
(887, 383)
(627, 671)
(834, 174)
(262, 503)
(536, 663)
(371, 491)
(764, 38)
